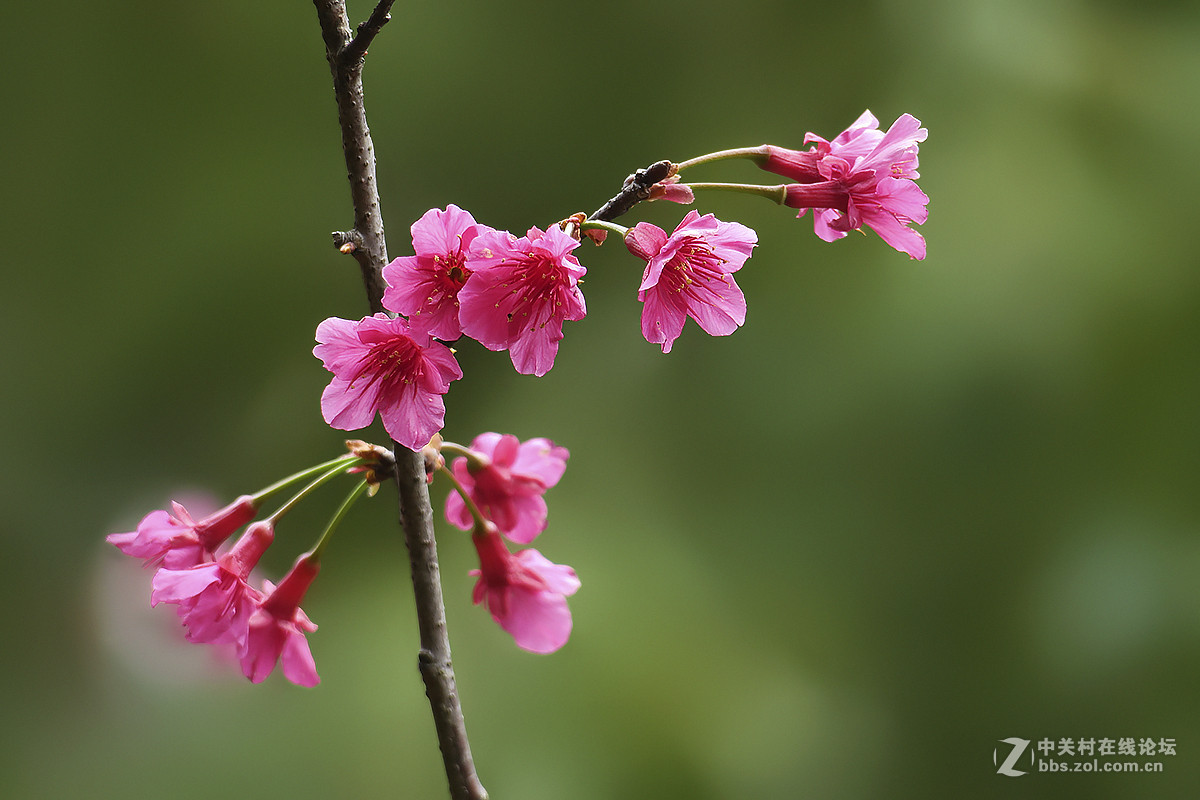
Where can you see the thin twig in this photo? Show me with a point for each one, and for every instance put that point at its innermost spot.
(366, 242)
(356, 50)
(370, 248)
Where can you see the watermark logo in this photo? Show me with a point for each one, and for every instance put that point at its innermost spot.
(1009, 766)
(1085, 754)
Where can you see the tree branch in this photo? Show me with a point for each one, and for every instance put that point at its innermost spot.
(356, 50)
(635, 189)
(437, 671)
(370, 248)
(366, 242)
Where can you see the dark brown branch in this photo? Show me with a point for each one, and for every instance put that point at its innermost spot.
(367, 244)
(636, 189)
(370, 248)
(437, 671)
(356, 50)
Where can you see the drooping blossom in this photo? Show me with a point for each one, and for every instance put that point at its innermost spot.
(277, 628)
(424, 287)
(381, 365)
(216, 600)
(690, 274)
(506, 479)
(525, 592)
(521, 293)
(862, 177)
(178, 541)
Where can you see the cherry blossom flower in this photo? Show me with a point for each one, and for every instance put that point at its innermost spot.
(862, 177)
(178, 541)
(424, 287)
(506, 479)
(216, 600)
(525, 593)
(690, 274)
(277, 628)
(381, 365)
(521, 293)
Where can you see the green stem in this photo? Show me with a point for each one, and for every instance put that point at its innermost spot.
(328, 475)
(350, 500)
(476, 514)
(457, 450)
(612, 227)
(776, 193)
(756, 153)
(347, 460)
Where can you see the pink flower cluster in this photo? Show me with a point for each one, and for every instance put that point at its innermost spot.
(863, 176)
(210, 586)
(504, 480)
(509, 293)
(506, 292)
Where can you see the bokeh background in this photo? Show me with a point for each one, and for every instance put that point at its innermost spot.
(909, 510)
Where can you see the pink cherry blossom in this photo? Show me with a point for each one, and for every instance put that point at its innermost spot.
(506, 479)
(424, 287)
(521, 293)
(690, 274)
(216, 600)
(380, 365)
(525, 593)
(178, 541)
(277, 628)
(862, 177)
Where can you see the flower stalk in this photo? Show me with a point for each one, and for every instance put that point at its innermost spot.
(334, 465)
(757, 154)
(340, 465)
(338, 516)
(776, 193)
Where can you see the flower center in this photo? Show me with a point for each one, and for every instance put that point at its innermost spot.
(537, 284)
(395, 361)
(694, 262)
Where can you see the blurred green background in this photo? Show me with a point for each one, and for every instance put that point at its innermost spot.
(909, 510)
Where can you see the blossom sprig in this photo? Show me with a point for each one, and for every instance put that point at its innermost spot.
(862, 177)
(178, 541)
(500, 478)
(514, 293)
(212, 587)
